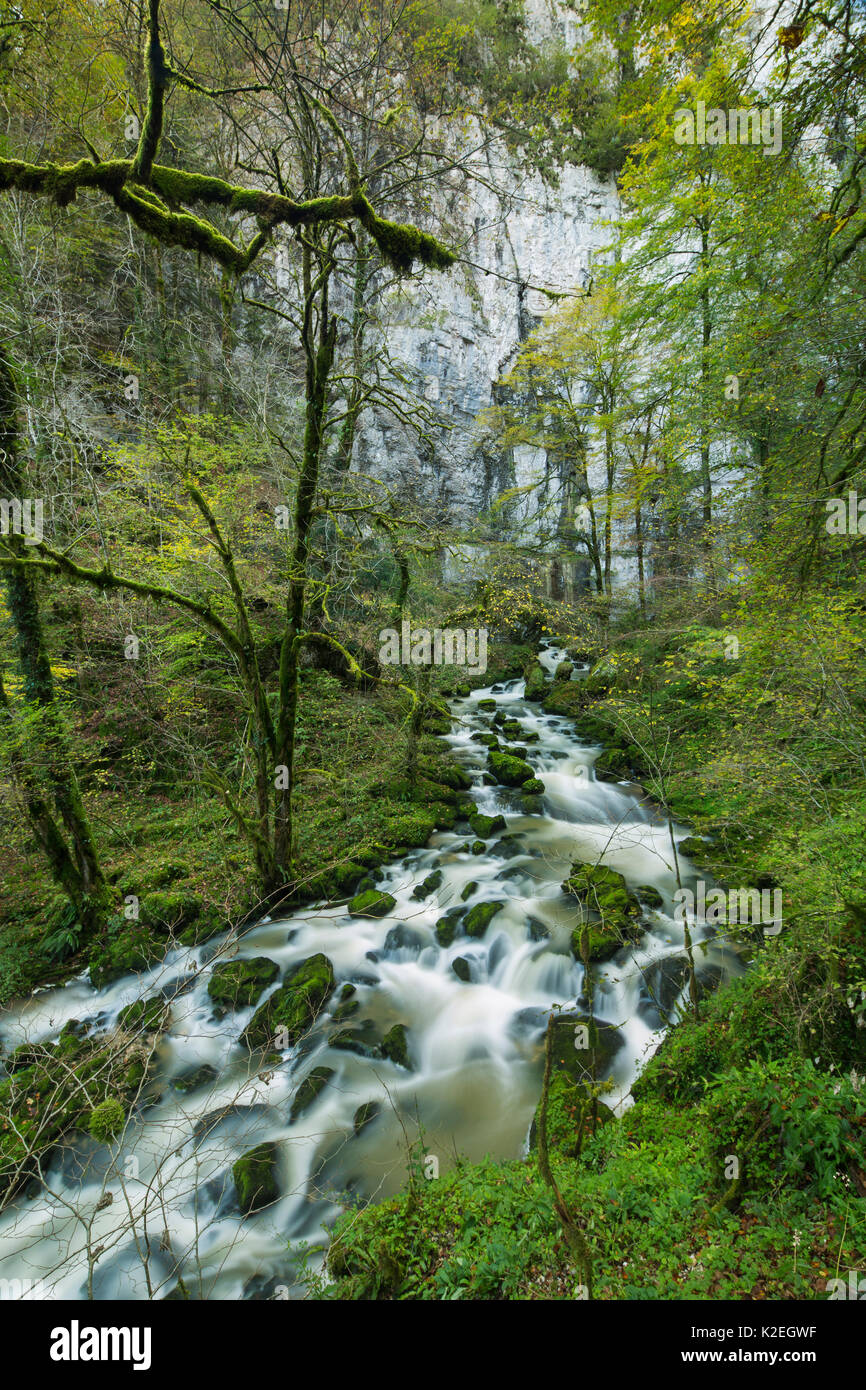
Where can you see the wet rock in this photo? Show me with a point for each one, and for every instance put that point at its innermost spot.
(255, 1177)
(188, 1081)
(143, 1016)
(487, 704)
(309, 1089)
(446, 927)
(650, 896)
(478, 847)
(236, 984)
(537, 930)
(536, 681)
(563, 671)
(360, 1040)
(294, 1007)
(579, 1054)
(396, 1047)
(372, 903)
(534, 787)
(429, 886)
(510, 772)
(404, 937)
(602, 892)
(485, 826)
(462, 969)
(478, 918)
(365, 1115)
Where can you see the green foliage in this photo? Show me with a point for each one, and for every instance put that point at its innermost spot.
(106, 1120)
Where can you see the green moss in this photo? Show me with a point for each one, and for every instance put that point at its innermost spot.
(511, 772)
(106, 1120)
(144, 1015)
(395, 1046)
(446, 927)
(601, 890)
(479, 917)
(485, 826)
(372, 903)
(288, 1013)
(536, 681)
(236, 984)
(309, 1089)
(255, 1177)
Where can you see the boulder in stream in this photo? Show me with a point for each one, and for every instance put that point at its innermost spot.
(510, 772)
(255, 1175)
(294, 1007)
(236, 984)
(372, 903)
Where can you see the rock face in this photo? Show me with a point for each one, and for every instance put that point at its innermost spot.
(455, 335)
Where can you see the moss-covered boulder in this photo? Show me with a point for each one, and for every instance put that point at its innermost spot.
(236, 984)
(428, 887)
(477, 847)
(294, 1007)
(536, 681)
(488, 740)
(485, 826)
(365, 1115)
(309, 1089)
(461, 967)
(649, 896)
(255, 1177)
(372, 903)
(534, 787)
(53, 1089)
(446, 927)
(479, 917)
(583, 1046)
(602, 891)
(487, 704)
(144, 1016)
(564, 671)
(572, 1116)
(510, 772)
(395, 1046)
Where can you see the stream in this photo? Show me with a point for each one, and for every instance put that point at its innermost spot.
(475, 1044)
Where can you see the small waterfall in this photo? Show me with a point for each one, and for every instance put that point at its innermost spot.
(475, 1042)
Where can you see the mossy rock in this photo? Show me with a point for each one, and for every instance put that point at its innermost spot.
(532, 806)
(143, 1016)
(372, 903)
(236, 984)
(616, 761)
(580, 1055)
(693, 847)
(133, 950)
(564, 671)
(485, 826)
(487, 704)
(294, 1007)
(429, 886)
(395, 1046)
(346, 1010)
(512, 728)
(255, 1176)
(479, 917)
(168, 912)
(365, 1115)
(601, 890)
(477, 847)
(534, 787)
(566, 698)
(447, 773)
(191, 1080)
(536, 681)
(309, 1089)
(446, 927)
(470, 888)
(463, 690)
(510, 772)
(107, 1120)
(649, 896)
(571, 1116)
(462, 969)
(488, 740)
(359, 1040)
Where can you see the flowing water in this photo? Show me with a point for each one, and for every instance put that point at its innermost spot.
(161, 1201)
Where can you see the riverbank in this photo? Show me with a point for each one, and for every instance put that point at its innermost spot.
(738, 1171)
